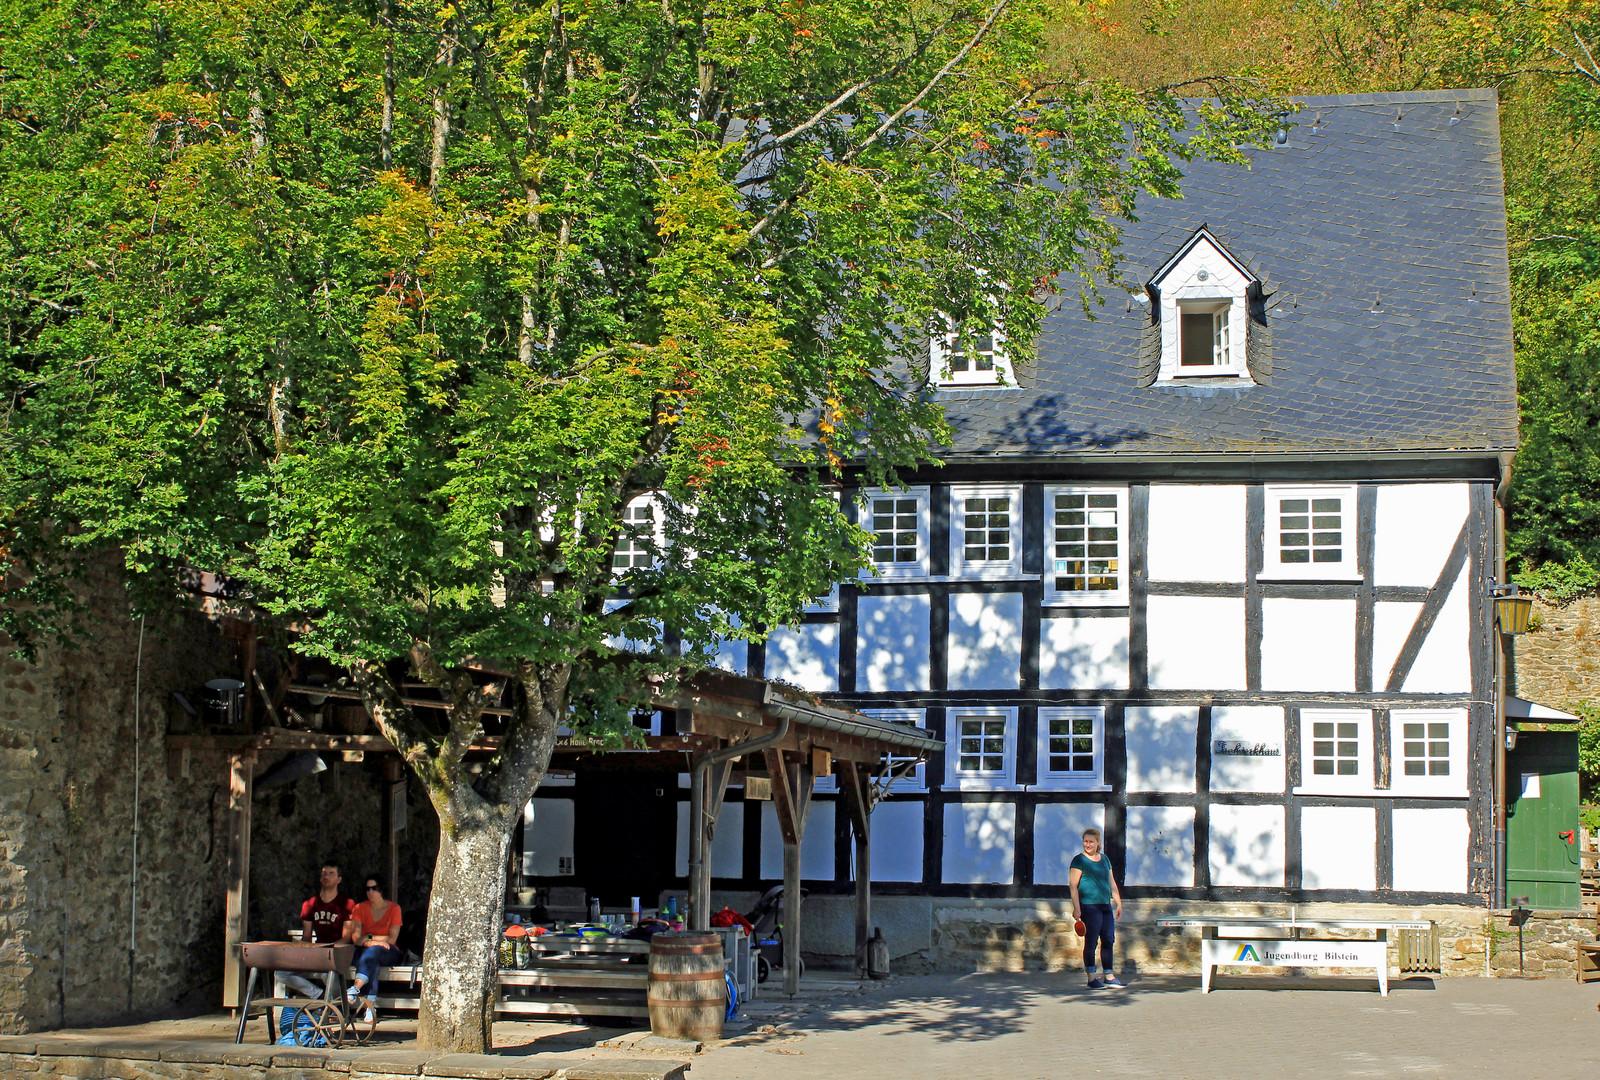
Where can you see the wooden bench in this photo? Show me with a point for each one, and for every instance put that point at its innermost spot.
(1589, 961)
(605, 978)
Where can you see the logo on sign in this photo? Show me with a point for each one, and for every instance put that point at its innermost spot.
(1228, 748)
(1247, 952)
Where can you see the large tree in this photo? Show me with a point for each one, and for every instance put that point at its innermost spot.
(391, 313)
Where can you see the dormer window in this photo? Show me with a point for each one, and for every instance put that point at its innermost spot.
(1204, 296)
(978, 360)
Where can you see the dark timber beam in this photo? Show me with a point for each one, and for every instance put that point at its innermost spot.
(858, 805)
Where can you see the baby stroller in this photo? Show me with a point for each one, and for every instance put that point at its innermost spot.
(767, 937)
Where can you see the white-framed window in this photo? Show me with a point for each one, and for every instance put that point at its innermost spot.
(1203, 338)
(898, 522)
(1085, 546)
(985, 531)
(980, 360)
(980, 748)
(641, 538)
(1428, 752)
(915, 779)
(1336, 752)
(1310, 532)
(1071, 745)
(1204, 295)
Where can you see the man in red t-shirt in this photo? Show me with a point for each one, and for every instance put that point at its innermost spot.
(323, 917)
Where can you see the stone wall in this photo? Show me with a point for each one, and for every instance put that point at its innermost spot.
(1550, 941)
(69, 760)
(76, 946)
(1558, 664)
(957, 935)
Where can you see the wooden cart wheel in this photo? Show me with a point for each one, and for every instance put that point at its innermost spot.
(327, 1021)
(363, 1035)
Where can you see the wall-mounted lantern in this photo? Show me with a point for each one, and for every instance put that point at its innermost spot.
(1511, 609)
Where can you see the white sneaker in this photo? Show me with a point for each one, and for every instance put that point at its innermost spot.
(370, 1016)
(351, 993)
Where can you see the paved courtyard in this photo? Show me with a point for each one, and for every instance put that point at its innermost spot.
(973, 1027)
(1022, 1027)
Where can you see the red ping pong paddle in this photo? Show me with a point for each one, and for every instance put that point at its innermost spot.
(1079, 929)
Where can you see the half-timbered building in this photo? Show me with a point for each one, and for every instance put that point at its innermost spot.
(1212, 572)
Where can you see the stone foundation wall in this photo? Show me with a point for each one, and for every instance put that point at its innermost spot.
(928, 934)
(1550, 942)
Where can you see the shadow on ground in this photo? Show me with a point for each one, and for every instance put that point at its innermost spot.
(991, 1006)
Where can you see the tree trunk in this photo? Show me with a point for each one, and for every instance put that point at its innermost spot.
(464, 915)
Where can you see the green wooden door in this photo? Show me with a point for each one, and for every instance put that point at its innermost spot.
(1542, 812)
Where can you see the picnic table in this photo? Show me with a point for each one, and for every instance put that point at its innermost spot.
(1227, 941)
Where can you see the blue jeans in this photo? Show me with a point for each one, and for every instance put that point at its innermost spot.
(1101, 927)
(369, 958)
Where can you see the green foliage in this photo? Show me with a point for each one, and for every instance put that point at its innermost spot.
(389, 312)
(1559, 583)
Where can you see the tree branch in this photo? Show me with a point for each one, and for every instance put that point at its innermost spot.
(788, 201)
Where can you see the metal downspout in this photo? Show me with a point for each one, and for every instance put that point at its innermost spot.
(1497, 790)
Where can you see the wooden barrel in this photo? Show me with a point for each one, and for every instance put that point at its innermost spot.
(687, 995)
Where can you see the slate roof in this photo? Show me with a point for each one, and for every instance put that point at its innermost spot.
(1358, 206)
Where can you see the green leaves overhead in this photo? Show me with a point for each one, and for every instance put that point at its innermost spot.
(389, 311)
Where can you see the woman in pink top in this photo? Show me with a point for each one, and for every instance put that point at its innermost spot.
(374, 927)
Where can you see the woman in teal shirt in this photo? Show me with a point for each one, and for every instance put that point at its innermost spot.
(1097, 903)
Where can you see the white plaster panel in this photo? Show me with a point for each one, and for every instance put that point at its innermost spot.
(1430, 850)
(547, 837)
(816, 843)
(1308, 644)
(1444, 663)
(985, 641)
(727, 841)
(1196, 643)
(896, 841)
(1338, 847)
(1252, 727)
(1391, 625)
(1247, 844)
(1196, 532)
(891, 643)
(1161, 747)
(806, 655)
(1058, 837)
(1083, 654)
(979, 843)
(1160, 845)
(1417, 525)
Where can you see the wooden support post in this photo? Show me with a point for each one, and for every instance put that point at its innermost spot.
(705, 803)
(791, 798)
(394, 821)
(858, 804)
(241, 785)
